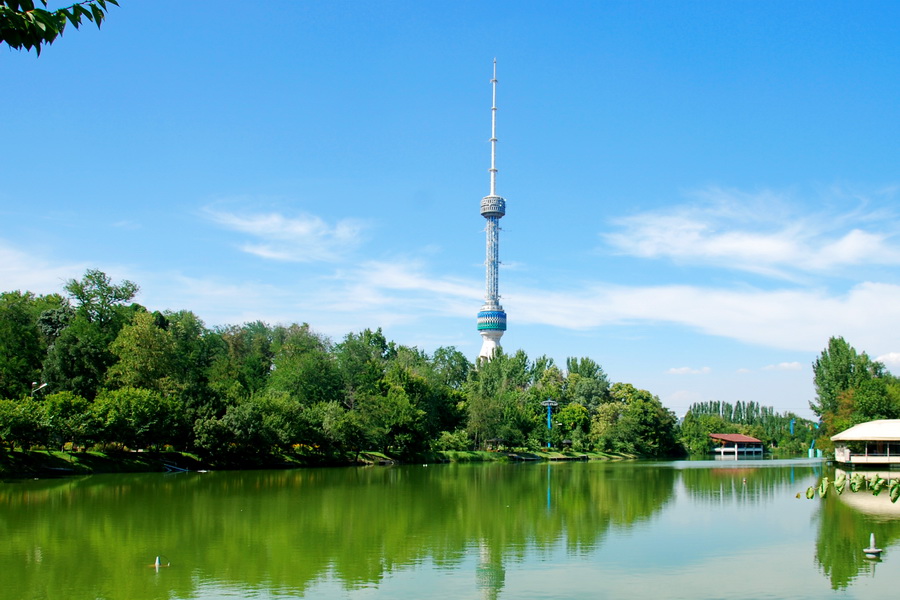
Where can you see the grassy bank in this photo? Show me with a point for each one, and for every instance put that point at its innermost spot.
(18, 464)
(44, 463)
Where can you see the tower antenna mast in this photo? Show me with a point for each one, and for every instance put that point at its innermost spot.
(492, 317)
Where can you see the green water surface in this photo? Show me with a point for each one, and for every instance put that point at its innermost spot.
(564, 530)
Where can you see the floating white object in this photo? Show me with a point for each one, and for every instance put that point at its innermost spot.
(872, 551)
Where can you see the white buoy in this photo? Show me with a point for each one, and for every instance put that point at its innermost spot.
(872, 551)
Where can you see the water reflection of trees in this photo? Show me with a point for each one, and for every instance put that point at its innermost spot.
(289, 531)
(748, 483)
(292, 529)
(843, 531)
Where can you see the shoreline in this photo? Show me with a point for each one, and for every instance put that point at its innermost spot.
(45, 464)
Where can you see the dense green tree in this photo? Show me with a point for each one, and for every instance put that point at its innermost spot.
(695, 430)
(21, 350)
(22, 25)
(253, 428)
(362, 359)
(839, 368)
(70, 418)
(876, 399)
(585, 368)
(304, 367)
(604, 432)
(23, 423)
(496, 400)
(136, 418)
(100, 300)
(573, 422)
(393, 423)
(54, 319)
(194, 350)
(549, 384)
(451, 366)
(241, 359)
(78, 359)
(635, 422)
(342, 430)
(145, 356)
(586, 383)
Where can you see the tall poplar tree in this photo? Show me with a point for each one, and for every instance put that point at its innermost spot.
(840, 369)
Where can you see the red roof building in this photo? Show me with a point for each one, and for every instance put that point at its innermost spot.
(736, 444)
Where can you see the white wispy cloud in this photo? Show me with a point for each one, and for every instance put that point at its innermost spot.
(404, 292)
(785, 366)
(24, 271)
(689, 371)
(758, 233)
(792, 319)
(300, 238)
(891, 360)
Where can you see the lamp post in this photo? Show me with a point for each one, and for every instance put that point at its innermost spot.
(549, 404)
(36, 388)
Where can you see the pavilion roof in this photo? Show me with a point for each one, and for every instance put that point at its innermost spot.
(883, 430)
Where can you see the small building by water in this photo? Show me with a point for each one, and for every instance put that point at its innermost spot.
(870, 443)
(736, 445)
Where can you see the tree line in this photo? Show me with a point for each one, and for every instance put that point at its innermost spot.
(91, 368)
(787, 432)
(851, 388)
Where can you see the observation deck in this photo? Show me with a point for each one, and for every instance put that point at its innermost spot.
(493, 206)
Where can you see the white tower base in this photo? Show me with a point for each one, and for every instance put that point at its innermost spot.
(491, 343)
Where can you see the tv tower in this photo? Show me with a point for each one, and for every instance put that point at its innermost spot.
(492, 317)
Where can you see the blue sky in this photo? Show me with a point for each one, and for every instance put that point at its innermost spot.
(699, 194)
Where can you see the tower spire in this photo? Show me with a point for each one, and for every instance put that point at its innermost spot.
(494, 131)
(492, 317)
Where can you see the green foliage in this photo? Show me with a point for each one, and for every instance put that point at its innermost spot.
(573, 418)
(748, 418)
(80, 354)
(24, 26)
(241, 359)
(304, 368)
(452, 441)
(838, 370)
(136, 418)
(77, 361)
(70, 418)
(498, 409)
(361, 360)
(21, 347)
(857, 482)
(876, 399)
(695, 430)
(144, 353)
(850, 389)
(451, 367)
(98, 299)
(120, 375)
(634, 422)
(23, 423)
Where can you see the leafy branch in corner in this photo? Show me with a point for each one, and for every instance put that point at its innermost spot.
(856, 482)
(24, 26)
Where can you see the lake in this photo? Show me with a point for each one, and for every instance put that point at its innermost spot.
(709, 529)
